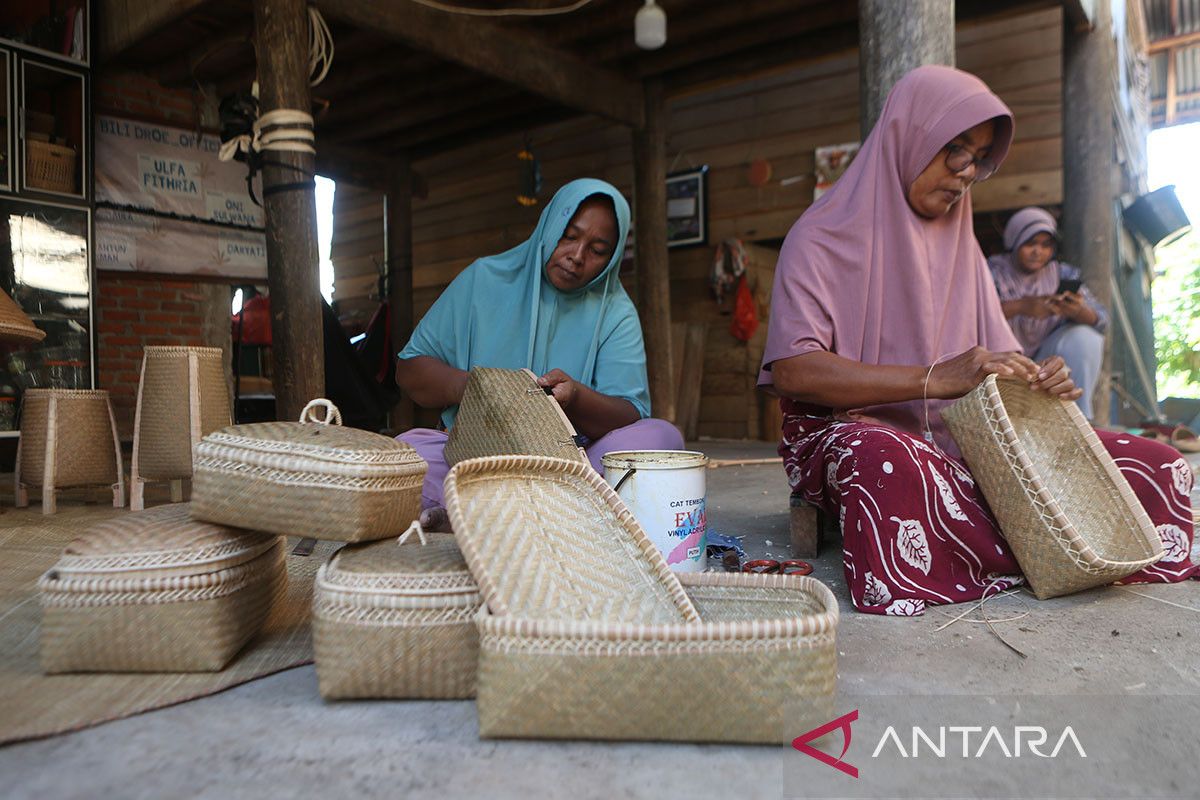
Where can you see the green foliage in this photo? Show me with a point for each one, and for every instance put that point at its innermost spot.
(1177, 317)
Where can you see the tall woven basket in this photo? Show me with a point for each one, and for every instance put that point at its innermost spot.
(586, 633)
(1070, 517)
(182, 397)
(68, 439)
(504, 412)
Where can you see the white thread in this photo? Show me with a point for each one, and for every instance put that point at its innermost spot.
(415, 526)
(928, 433)
(320, 47)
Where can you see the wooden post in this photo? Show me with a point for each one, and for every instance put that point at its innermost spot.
(650, 245)
(1088, 228)
(298, 357)
(894, 38)
(400, 271)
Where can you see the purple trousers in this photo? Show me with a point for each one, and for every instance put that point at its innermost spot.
(645, 434)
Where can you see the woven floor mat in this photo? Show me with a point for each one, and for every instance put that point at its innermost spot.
(37, 705)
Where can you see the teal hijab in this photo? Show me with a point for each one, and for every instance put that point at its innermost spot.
(502, 311)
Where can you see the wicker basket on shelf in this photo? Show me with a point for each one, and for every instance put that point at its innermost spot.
(50, 166)
(396, 620)
(586, 633)
(1070, 517)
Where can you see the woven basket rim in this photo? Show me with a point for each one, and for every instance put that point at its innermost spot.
(393, 581)
(162, 349)
(542, 467)
(1077, 424)
(15, 324)
(237, 549)
(229, 439)
(66, 393)
(816, 624)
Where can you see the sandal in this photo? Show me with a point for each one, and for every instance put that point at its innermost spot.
(1185, 440)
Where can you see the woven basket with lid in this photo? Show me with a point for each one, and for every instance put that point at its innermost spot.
(588, 634)
(1070, 517)
(311, 478)
(396, 620)
(156, 591)
(504, 412)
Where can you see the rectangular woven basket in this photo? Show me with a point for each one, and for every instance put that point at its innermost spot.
(1070, 517)
(128, 603)
(588, 634)
(312, 478)
(396, 621)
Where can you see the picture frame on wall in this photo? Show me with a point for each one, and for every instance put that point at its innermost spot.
(687, 208)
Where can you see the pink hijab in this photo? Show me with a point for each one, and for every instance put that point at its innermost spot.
(864, 276)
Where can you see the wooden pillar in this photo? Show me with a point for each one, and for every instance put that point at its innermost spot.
(894, 38)
(400, 271)
(650, 244)
(298, 357)
(1088, 229)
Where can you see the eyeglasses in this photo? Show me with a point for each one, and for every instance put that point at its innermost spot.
(958, 158)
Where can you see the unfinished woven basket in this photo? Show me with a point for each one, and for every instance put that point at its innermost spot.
(310, 478)
(155, 591)
(505, 412)
(589, 634)
(397, 620)
(182, 397)
(1070, 517)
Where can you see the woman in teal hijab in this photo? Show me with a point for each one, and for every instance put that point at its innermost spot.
(553, 304)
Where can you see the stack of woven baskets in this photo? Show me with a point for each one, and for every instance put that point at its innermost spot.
(185, 587)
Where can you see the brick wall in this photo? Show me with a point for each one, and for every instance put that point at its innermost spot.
(133, 311)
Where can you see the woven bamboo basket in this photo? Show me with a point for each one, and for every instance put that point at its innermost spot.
(311, 478)
(397, 620)
(505, 412)
(588, 634)
(155, 591)
(15, 325)
(182, 397)
(1070, 517)
(68, 439)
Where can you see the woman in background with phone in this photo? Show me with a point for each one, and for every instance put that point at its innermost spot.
(1046, 303)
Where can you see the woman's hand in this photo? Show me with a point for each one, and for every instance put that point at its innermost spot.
(954, 378)
(562, 387)
(1054, 378)
(1072, 306)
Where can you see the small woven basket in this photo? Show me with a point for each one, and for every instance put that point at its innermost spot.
(50, 166)
(155, 591)
(68, 438)
(396, 620)
(1070, 517)
(504, 412)
(588, 634)
(181, 398)
(311, 478)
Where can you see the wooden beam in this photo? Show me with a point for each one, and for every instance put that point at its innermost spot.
(354, 165)
(398, 241)
(125, 23)
(1088, 226)
(297, 351)
(650, 245)
(1172, 42)
(182, 70)
(1172, 99)
(502, 53)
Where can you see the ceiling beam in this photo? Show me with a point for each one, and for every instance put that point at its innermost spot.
(508, 55)
(124, 23)
(1172, 42)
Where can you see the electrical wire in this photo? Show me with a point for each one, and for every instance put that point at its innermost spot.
(320, 47)
(503, 12)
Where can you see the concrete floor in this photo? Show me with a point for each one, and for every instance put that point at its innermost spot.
(275, 737)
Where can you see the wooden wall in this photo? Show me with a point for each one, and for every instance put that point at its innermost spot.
(471, 207)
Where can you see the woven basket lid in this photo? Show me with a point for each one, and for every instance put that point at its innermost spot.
(505, 412)
(314, 439)
(161, 542)
(548, 539)
(15, 325)
(426, 565)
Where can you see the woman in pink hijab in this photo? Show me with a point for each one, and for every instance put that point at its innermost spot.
(882, 298)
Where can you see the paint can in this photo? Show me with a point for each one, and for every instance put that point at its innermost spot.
(665, 490)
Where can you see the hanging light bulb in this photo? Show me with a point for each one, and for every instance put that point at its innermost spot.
(650, 26)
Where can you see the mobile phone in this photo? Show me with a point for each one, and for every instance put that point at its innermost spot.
(1069, 286)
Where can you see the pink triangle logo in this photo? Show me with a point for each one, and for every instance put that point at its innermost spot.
(801, 743)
